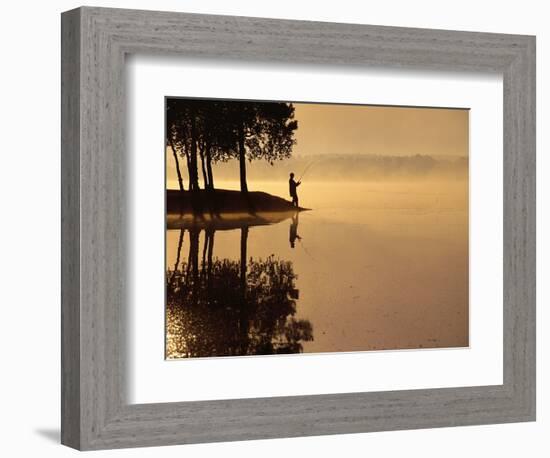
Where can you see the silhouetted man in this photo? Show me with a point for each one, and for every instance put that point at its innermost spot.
(292, 185)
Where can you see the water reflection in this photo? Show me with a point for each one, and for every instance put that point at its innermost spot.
(227, 307)
(293, 235)
(378, 266)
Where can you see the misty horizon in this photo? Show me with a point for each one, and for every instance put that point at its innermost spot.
(336, 167)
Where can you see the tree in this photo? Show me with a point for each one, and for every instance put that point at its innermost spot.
(172, 138)
(199, 129)
(181, 135)
(217, 130)
(215, 137)
(263, 130)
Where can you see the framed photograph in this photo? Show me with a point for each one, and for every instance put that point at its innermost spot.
(278, 228)
(363, 205)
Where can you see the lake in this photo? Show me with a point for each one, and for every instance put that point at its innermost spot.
(372, 266)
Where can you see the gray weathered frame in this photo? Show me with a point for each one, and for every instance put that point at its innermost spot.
(95, 41)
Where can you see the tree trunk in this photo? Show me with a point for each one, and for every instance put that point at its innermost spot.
(242, 161)
(209, 167)
(180, 180)
(193, 162)
(203, 165)
(189, 174)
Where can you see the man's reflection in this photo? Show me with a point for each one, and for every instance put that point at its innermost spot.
(293, 235)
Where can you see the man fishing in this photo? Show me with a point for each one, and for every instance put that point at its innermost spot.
(292, 185)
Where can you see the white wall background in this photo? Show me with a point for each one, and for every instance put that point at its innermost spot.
(30, 245)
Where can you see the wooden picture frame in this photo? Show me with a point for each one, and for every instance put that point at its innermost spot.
(95, 413)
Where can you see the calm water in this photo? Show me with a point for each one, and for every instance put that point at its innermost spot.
(371, 266)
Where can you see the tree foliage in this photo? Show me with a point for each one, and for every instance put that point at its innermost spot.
(210, 131)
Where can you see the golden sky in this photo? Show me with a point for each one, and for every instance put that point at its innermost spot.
(382, 130)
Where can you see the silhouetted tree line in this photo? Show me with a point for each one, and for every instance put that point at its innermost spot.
(203, 132)
(222, 307)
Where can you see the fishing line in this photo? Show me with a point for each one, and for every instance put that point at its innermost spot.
(305, 249)
(307, 168)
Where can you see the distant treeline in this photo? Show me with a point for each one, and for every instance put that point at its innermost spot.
(353, 168)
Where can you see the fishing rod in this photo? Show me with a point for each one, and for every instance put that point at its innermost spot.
(306, 169)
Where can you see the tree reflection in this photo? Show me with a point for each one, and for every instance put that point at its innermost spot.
(223, 307)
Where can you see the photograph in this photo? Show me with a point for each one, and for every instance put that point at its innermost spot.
(296, 227)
